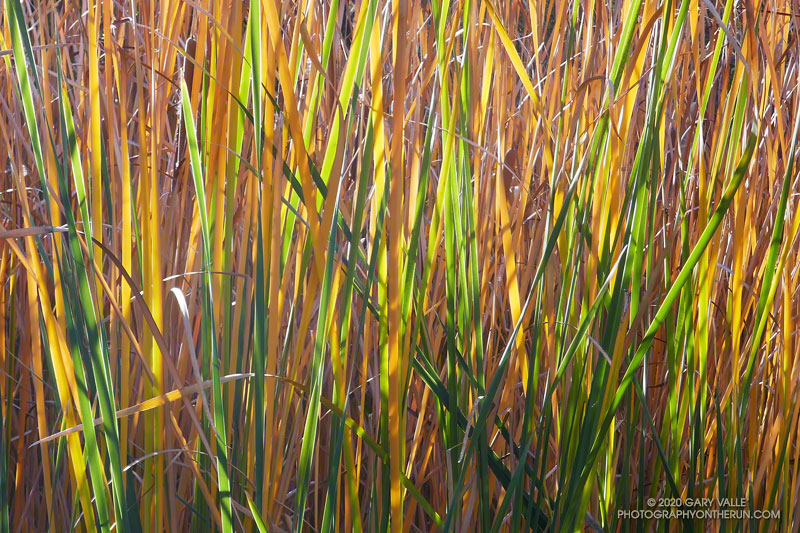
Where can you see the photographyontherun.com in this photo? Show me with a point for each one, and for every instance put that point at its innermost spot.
(697, 509)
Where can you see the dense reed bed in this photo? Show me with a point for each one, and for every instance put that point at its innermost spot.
(460, 265)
